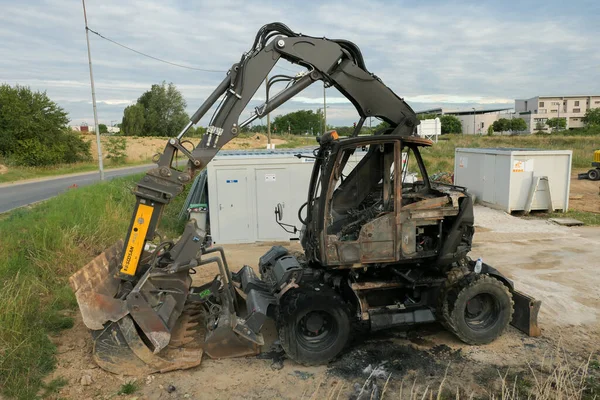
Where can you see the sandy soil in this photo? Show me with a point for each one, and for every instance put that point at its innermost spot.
(256, 141)
(3, 169)
(584, 195)
(555, 264)
(144, 148)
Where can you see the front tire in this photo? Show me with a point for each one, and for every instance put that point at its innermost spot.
(594, 174)
(314, 325)
(477, 309)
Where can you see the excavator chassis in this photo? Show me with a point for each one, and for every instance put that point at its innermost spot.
(379, 251)
(211, 319)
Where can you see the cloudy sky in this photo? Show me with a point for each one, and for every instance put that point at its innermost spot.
(453, 54)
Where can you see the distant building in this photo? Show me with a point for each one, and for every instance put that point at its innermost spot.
(473, 121)
(83, 128)
(541, 108)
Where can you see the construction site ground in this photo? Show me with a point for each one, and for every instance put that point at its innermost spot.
(556, 264)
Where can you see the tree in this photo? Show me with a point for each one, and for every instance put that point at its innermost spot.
(300, 122)
(163, 114)
(540, 127)
(102, 128)
(592, 116)
(557, 123)
(133, 120)
(450, 124)
(518, 125)
(34, 131)
(490, 130)
(502, 125)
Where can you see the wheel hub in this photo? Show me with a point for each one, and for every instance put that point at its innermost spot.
(481, 311)
(314, 322)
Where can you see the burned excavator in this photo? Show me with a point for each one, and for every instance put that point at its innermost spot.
(380, 250)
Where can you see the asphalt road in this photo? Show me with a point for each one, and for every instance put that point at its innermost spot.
(14, 195)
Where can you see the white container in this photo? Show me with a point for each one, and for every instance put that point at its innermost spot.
(505, 178)
(244, 187)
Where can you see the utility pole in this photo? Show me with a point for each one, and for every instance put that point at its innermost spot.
(268, 114)
(87, 37)
(473, 120)
(324, 109)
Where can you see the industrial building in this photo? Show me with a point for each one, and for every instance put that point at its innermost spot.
(473, 121)
(541, 108)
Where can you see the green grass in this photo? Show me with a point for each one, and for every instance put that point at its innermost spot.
(294, 141)
(128, 388)
(39, 249)
(53, 386)
(15, 173)
(440, 157)
(588, 218)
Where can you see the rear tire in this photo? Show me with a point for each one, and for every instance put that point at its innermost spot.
(314, 326)
(594, 174)
(477, 309)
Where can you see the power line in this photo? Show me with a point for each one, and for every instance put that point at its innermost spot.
(152, 57)
(160, 59)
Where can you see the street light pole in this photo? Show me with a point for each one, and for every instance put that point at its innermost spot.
(474, 121)
(87, 37)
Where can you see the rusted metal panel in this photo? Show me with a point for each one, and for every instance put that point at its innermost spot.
(409, 243)
(430, 214)
(349, 251)
(417, 140)
(377, 238)
(435, 202)
(370, 285)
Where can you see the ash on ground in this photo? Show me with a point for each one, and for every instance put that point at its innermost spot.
(379, 359)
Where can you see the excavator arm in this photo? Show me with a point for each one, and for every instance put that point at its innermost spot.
(337, 63)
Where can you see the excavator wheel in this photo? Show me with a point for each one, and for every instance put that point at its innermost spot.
(594, 174)
(314, 325)
(477, 308)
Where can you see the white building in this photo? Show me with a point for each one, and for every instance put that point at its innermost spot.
(473, 121)
(541, 108)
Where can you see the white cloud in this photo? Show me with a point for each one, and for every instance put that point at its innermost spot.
(459, 53)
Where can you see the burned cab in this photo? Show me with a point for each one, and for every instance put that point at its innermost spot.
(372, 202)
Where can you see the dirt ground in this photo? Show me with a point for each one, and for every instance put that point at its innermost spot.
(144, 148)
(3, 169)
(584, 194)
(555, 264)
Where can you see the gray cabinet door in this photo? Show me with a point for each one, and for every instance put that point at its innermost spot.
(232, 203)
(272, 187)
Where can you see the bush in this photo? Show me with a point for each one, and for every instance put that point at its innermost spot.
(34, 132)
(116, 149)
(68, 148)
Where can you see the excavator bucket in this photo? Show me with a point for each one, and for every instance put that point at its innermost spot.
(119, 344)
(161, 324)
